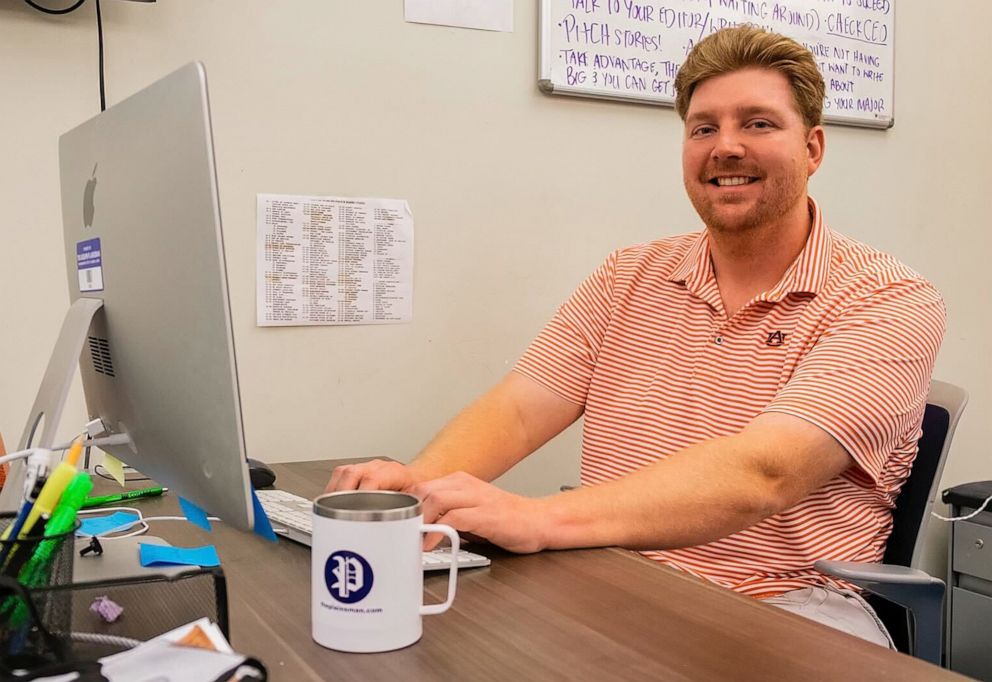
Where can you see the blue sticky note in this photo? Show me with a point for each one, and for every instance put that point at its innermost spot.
(163, 555)
(98, 525)
(194, 514)
(262, 526)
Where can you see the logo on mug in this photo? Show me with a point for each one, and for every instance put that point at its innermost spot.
(348, 577)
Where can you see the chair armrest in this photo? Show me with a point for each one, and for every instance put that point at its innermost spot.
(917, 591)
(858, 573)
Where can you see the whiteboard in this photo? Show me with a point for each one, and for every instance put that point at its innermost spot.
(632, 49)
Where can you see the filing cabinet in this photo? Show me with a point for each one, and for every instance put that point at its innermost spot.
(969, 577)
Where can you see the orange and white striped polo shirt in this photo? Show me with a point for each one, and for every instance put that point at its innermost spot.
(846, 340)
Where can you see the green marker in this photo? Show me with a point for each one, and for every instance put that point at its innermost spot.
(36, 572)
(122, 497)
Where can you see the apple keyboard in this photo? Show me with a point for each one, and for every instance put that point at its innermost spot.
(292, 517)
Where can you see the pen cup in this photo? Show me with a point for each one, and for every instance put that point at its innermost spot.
(34, 562)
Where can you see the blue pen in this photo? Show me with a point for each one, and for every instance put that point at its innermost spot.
(15, 530)
(34, 481)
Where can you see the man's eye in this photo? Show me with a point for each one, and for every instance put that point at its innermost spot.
(702, 130)
(761, 124)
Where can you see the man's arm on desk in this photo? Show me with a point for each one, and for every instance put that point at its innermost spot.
(705, 492)
(698, 495)
(510, 421)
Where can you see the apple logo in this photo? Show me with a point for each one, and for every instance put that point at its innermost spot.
(88, 199)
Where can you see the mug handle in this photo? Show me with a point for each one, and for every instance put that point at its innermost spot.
(432, 609)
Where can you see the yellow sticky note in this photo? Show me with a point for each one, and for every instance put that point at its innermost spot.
(114, 467)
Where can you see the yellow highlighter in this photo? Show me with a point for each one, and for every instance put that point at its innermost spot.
(50, 493)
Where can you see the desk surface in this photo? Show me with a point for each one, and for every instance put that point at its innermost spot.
(585, 614)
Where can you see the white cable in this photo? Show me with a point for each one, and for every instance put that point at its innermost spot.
(116, 439)
(141, 520)
(40, 462)
(113, 640)
(969, 516)
(176, 518)
(99, 510)
(124, 526)
(20, 454)
(133, 534)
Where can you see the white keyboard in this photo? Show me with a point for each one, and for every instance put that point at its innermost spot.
(292, 517)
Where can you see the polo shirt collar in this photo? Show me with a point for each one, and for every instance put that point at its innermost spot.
(807, 274)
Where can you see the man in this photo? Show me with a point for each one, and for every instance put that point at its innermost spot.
(752, 394)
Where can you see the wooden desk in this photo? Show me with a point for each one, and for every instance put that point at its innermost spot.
(602, 614)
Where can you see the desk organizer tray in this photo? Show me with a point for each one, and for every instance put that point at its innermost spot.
(63, 629)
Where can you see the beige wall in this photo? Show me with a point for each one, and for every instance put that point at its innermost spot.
(516, 196)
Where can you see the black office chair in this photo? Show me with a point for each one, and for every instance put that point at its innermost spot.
(911, 600)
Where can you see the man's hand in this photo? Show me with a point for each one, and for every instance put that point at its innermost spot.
(476, 508)
(375, 475)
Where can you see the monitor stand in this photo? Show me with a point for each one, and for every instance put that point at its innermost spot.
(52, 393)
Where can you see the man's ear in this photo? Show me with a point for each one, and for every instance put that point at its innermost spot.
(815, 147)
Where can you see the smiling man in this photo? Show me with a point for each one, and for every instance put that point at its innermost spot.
(752, 394)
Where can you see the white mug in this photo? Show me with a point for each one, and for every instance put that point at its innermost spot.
(367, 580)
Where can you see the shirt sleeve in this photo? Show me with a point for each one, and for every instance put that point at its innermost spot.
(866, 379)
(563, 356)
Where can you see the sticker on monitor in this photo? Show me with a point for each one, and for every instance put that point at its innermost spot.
(89, 263)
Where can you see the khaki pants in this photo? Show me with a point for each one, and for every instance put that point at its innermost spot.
(840, 609)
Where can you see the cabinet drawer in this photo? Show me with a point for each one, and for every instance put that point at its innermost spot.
(973, 549)
(971, 618)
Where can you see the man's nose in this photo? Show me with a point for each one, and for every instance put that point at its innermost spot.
(728, 145)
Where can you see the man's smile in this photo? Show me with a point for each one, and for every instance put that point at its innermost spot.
(733, 180)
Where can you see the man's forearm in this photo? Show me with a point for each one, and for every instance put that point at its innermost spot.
(484, 440)
(701, 494)
(663, 506)
(509, 422)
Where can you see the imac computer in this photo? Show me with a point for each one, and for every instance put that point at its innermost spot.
(150, 321)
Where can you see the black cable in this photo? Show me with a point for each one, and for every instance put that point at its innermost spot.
(127, 479)
(55, 11)
(99, 35)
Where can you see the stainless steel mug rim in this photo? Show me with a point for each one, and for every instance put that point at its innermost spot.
(367, 505)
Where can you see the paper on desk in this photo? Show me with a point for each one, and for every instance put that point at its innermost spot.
(333, 260)
(193, 652)
(491, 15)
(181, 634)
(160, 661)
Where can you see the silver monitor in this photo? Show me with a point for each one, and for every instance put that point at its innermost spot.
(143, 234)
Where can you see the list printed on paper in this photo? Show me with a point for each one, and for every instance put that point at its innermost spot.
(333, 260)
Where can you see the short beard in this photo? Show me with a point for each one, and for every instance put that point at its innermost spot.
(774, 205)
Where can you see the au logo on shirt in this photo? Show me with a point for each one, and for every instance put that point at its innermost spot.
(775, 339)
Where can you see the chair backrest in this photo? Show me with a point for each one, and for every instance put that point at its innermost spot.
(945, 403)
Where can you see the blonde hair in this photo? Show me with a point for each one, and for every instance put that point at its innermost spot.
(745, 46)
